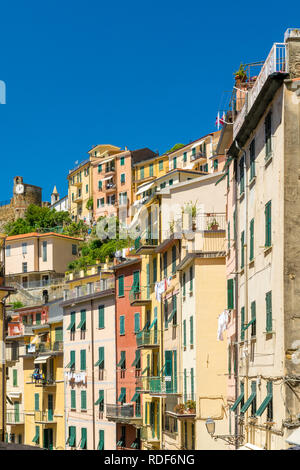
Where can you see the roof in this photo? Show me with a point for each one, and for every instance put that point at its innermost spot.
(126, 263)
(39, 235)
(142, 154)
(193, 142)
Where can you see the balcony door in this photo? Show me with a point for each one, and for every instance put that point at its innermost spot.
(48, 439)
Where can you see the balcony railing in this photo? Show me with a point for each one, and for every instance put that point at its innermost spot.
(275, 62)
(120, 411)
(88, 289)
(148, 338)
(197, 156)
(158, 385)
(79, 165)
(44, 416)
(13, 417)
(148, 240)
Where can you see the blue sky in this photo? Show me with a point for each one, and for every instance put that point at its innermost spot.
(135, 74)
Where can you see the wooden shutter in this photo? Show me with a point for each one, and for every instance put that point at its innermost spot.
(184, 333)
(36, 402)
(83, 359)
(136, 322)
(242, 249)
(230, 301)
(269, 311)
(268, 224)
(101, 316)
(122, 325)
(191, 331)
(121, 286)
(242, 323)
(83, 399)
(73, 399)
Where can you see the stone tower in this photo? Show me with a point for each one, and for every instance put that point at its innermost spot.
(54, 196)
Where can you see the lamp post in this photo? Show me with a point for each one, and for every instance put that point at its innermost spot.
(229, 438)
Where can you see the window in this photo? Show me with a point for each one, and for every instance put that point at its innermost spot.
(24, 267)
(122, 178)
(216, 164)
(82, 323)
(191, 279)
(100, 362)
(122, 161)
(191, 331)
(15, 377)
(71, 364)
(72, 436)
(74, 249)
(38, 319)
(122, 361)
(101, 440)
(205, 167)
(122, 324)
(253, 318)
(252, 159)
(242, 323)
(154, 270)
(184, 157)
(83, 441)
(73, 399)
(83, 400)
(165, 264)
(99, 168)
(45, 251)
(86, 188)
(171, 182)
(101, 316)
(136, 322)
(174, 163)
(161, 165)
(242, 249)
(242, 178)
(269, 312)
(183, 285)
(82, 359)
(268, 135)
(36, 402)
(36, 438)
(151, 169)
(142, 173)
(121, 285)
(174, 259)
(185, 385)
(268, 224)
(184, 333)
(7, 250)
(24, 248)
(251, 256)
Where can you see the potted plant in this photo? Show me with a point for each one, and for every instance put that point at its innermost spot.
(179, 409)
(214, 225)
(172, 226)
(240, 75)
(191, 406)
(191, 209)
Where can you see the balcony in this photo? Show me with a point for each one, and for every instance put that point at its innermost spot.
(149, 436)
(14, 418)
(89, 289)
(44, 417)
(78, 198)
(148, 339)
(122, 414)
(276, 63)
(140, 297)
(198, 156)
(158, 386)
(84, 162)
(146, 243)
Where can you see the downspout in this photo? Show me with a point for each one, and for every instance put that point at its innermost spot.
(246, 319)
(3, 366)
(93, 378)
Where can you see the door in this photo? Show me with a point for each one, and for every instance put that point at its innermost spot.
(17, 413)
(48, 439)
(50, 407)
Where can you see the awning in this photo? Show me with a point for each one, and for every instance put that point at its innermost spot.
(100, 400)
(107, 178)
(41, 359)
(35, 340)
(144, 188)
(137, 358)
(266, 401)
(37, 435)
(238, 401)
(136, 396)
(100, 444)
(81, 324)
(171, 316)
(153, 323)
(249, 446)
(145, 370)
(101, 162)
(248, 402)
(122, 396)
(294, 437)
(72, 324)
(14, 394)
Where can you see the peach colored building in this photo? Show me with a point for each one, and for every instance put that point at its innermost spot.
(90, 367)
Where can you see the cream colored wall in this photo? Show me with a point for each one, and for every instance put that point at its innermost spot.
(265, 274)
(13, 263)
(61, 250)
(211, 355)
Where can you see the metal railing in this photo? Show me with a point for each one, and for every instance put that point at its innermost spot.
(148, 338)
(120, 411)
(275, 62)
(88, 289)
(79, 165)
(158, 385)
(44, 416)
(13, 417)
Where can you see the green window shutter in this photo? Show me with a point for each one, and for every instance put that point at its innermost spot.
(174, 259)
(71, 326)
(253, 318)
(269, 311)
(59, 333)
(192, 384)
(183, 285)
(242, 323)
(242, 178)
(151, 169)
(73, 399)
(230, 299)
(146, 413)
(251, 398)
(136, 322)
(100, 362)
(15, 377)
(185, 157)
(161, 165)
(234, 225)
(240, 399)
(82, 323)
(266, 401)
(38, 319)
(268, 224)
(165, 264)
(122, 161)
(216, 164)
(101, 316)
(154, 270)
(121, 286)
(191, 331)
(83, 442)
(83, 359)
(99, 185)
(142, 172)
(228, 235)
(123, 178)
(268, 135)
(184, 333)
(36, 402)
(191, 279)
(185, 385)
(148, 280)
(252, 159)
(72, 436)
(242, 249)
(251, 239)
(101, 440)
(72, 359)
(83, 399)
(99, 168)
(174, 163)
(122, 324)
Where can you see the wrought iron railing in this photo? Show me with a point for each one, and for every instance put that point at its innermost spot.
(119, 411)
(148, 338)
(14, 417)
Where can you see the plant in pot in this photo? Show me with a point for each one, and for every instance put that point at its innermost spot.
(179, 409)
(191, 209)
(240, 75)
(191, 406)
(214, 225)
(172, 225)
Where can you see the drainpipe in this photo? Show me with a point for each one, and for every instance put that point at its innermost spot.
(246, 319)
(93, 378)
(3, 367)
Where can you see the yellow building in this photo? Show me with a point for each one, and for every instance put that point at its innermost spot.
(80, 191)
(44, 417)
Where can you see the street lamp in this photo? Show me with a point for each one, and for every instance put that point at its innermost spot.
(229, 438)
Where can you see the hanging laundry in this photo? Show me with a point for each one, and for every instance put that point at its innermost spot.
(222, 324)
(159, 289)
